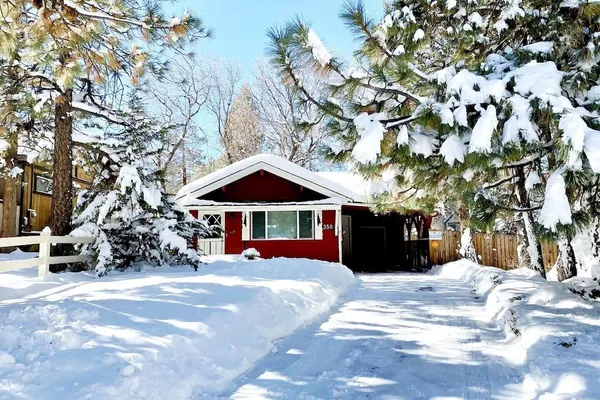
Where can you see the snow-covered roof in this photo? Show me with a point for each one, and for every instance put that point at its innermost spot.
(190, 202)
(366, 189)
(276, 165)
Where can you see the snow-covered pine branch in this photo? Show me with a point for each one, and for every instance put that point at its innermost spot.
(494, 104)
(127, 207)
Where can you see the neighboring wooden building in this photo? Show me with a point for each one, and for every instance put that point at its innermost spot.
(284, 210)
(35, 197)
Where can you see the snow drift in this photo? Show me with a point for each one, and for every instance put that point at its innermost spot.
(162, 333)
(551, 333)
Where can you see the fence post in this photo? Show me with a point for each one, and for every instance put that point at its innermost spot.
(44, 252)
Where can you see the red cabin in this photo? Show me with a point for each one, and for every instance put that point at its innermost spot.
(284, 210)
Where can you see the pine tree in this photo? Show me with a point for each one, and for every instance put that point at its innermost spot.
(12, 124)
(127, 207)
(81, 43)
(242, 136)
(24, 110)
(494, 99)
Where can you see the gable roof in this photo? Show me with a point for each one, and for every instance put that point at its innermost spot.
(276, 165)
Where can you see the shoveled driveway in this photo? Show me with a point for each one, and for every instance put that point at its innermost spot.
(396, 336)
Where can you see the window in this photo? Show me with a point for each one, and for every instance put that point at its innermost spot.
(43, 184)
(282, 225)
(305, 224)
(215, 225)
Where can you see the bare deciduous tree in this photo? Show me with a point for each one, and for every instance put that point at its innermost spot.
(225, 79)
(290, 125)
(180, 97)
(233, 109)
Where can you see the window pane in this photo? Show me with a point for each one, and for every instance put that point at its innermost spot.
(215, 224)
(258, 225)
(282, 225)
(43, 185)
(306, 224)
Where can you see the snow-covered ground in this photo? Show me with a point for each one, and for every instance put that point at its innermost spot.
(167, 333)
(450, 334)
(551, 334)
(461, 331)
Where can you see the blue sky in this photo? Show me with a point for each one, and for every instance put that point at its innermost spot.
(240, 28)
(241, 25)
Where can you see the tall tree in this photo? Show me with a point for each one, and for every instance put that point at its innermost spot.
(180, 96)
(291, 126)
(11, 122)
(91, 41)
(497, 94)
(24, 109)
(225, 81)
(242, 136)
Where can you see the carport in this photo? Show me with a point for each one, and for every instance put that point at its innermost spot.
(374, 242)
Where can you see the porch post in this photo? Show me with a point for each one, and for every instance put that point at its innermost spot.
(339, 232)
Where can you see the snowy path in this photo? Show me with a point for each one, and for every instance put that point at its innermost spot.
(396, 336)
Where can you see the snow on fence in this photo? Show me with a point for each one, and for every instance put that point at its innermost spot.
(45, 240)
(492, 250)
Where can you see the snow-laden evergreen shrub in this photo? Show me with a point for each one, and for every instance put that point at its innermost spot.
(127, 207)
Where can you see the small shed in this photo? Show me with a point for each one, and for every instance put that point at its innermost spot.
(284, 210)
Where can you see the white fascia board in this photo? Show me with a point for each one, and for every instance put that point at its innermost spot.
(275, 171)
(214, 209)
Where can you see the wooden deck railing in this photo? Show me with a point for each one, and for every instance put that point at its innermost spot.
(45, 240)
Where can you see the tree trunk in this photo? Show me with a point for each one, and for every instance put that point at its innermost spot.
(12, 185)
(566, 264)
(184, 174)
(596, 238)
(467, 249)
(530, 254)
(62, 190)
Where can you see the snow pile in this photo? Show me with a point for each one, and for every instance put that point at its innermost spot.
(556, 208)
(371, 131)
(156, 334)
(422, 144)
(250, 253)
(592, 149)
(539, 47)
(584, 253)
(319, 51)
(453, 149)
(481, 139)
(551, 333)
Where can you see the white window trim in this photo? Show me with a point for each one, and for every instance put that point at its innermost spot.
(222, 238)
(267, 238)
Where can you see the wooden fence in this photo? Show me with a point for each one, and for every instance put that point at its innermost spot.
(43, 261)
(493, 250)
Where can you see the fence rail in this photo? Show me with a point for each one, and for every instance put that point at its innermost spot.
(500, 251)
(45, 240)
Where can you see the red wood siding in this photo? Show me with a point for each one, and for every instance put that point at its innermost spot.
(326, 249)
(262, 186)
